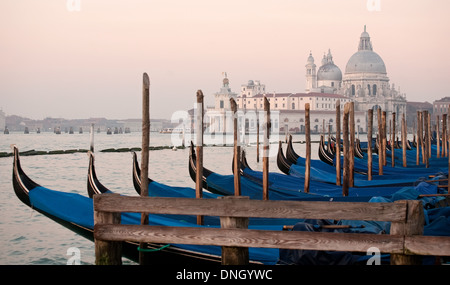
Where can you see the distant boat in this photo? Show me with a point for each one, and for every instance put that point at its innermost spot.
(38, 130)
(166, 131)
(71, 130)
(26, 131)
(127, 130)
(6, 131)
(81, 130)
(108, 131)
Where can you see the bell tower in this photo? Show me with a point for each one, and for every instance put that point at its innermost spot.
(311, 79)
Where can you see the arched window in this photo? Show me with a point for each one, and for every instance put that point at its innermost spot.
(353, 89)
(368, 88)
(374, 89)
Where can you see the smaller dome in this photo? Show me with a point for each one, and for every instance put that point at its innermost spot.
(329, 71)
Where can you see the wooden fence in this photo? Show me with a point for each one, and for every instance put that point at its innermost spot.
(405, 242)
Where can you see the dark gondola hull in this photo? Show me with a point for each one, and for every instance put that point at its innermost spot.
(23, 185)
(283, 163)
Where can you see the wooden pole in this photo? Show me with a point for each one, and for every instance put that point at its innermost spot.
(425, 121)
(404, 139)
(369, 144)
(444, 135)
(418, 139)
(257, 135)
(446, 138)
(237, 150)
(267, 127)
(414, 226)
(145, 154)
(234, 255)
(393, 141)
(438, 138)
(422, 141)
(380, 149)
(199, 150)
(346, 174)
(352, 144)
(338, 142)
(92, 138)
(429, 134)
(383, 120)
(308, 148)
(107, 252)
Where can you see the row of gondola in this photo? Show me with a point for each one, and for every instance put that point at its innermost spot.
(75, 211)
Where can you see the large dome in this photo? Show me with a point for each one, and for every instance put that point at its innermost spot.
(329, 71)
(365, 61)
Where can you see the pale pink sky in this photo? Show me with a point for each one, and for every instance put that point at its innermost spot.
(89, 63)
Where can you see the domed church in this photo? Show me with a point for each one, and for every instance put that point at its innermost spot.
(365, 79)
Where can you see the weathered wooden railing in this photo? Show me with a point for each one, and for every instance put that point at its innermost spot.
(405, 242)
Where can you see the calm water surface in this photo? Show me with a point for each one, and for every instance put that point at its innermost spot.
(27, 237)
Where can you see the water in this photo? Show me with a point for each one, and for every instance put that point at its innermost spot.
(28, 237)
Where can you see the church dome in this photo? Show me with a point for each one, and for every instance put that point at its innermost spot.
(329, 71)
(365, 61)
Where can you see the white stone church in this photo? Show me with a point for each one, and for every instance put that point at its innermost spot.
(364, 81)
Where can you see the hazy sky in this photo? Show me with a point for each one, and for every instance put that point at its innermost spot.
(56, 61)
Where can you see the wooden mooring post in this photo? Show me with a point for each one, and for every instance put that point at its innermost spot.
(308, 148)
(352, 139)
(418, 139)
(383, 139)
(444, 135)
(380, 151)
(426, 139)
(369, 144)
(199, 149)
(438, 138)
(346, 171)
(338, 143)
(266, 147)
(404, 138)
(237, 150)
(393, 141)
(144, 155)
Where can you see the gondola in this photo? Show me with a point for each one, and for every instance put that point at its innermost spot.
(324, 155)
(291, 187)
(325, 173)
(75, 212)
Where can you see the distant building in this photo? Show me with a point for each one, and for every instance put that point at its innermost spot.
(2, 120)
(441, 106)
(364, 82)
(287, 110)
(411, 113)
(365, 79)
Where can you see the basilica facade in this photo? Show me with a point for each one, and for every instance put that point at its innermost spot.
(364, 82)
